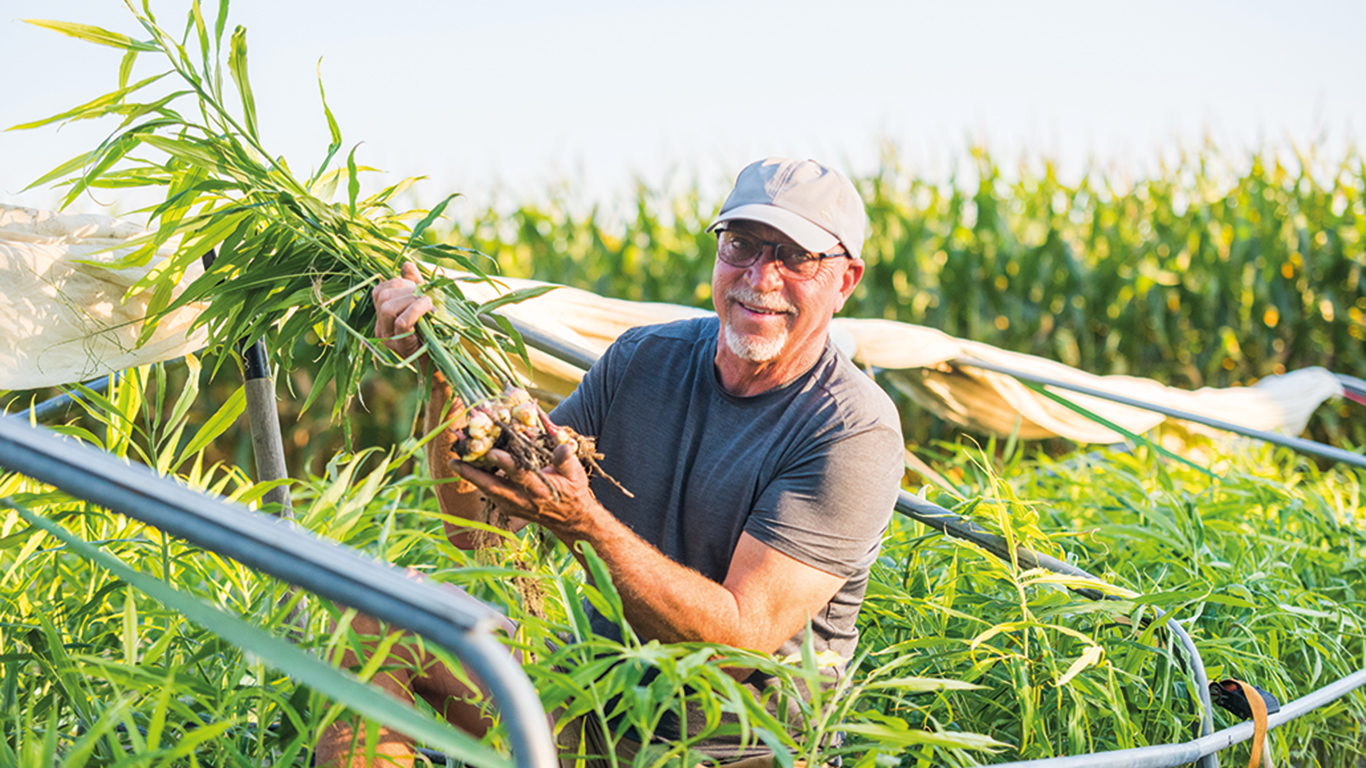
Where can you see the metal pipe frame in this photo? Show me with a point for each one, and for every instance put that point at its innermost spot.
(1300, 444)
(52, 407)
(458, 623)
(1172, 755)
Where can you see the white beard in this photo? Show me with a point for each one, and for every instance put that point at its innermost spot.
(756, 349)
(752, 348)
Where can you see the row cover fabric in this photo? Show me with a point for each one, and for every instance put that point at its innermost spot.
(64, 318)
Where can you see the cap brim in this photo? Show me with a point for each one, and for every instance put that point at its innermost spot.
(808, 235)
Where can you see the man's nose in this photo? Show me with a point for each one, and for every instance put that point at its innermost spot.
(765, 273)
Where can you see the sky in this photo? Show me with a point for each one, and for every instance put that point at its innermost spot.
(509, 100)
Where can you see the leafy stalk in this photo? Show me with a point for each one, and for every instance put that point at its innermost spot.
(288, 260)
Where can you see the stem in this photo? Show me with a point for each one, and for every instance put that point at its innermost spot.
(468, 390)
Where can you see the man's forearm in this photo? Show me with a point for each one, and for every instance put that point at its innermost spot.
(764, 600)
(662, 599)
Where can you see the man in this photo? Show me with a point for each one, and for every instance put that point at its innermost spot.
(763, 465)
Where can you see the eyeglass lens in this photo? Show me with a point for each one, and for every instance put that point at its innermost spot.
(740, 251)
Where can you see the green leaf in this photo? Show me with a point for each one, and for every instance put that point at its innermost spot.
(352, 181)
(572, 597)
(130, 628)
(188, 392)
(518, 346)
(432, 216)
(104, 158)
(226, 415)
(332, 128)
(80, 161)
(512, 297)
(237, 67)
(192, 152)
(1088, 658)
(602, 581)
(93, 34)
(221, 23)
(906, 737)
(187, 743)
(921, 684)
(50, 739)
(126, 68)
(197, 17)
(106, 104)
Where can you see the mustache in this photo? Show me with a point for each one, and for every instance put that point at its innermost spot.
(771, 302)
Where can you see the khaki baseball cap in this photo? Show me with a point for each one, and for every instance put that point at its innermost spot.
(814, 205)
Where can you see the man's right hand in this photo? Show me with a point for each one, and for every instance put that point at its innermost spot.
(397, 309)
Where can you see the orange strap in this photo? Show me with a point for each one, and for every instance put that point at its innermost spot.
(1258, 706)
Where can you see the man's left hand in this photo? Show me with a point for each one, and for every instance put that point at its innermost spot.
(557, 497)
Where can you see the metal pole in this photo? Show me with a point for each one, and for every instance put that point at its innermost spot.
(52, 407)
(1297, 443)
(457, 622)
(267, 446)
(1171, 755)
(268, 449)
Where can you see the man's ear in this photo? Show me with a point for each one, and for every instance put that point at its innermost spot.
(853, 273)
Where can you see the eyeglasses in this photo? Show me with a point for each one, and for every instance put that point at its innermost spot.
(740, 250)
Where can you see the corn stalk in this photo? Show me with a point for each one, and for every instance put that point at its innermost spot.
(291, 264)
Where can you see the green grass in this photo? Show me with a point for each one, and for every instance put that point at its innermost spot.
(103, 662)
(1261, 566)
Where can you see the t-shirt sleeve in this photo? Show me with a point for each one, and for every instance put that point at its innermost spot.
(830, 508)
(586, 407)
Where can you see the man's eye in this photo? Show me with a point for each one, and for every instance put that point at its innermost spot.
(740, 243)
(797, 257)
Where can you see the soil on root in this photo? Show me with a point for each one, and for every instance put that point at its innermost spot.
(515, 424)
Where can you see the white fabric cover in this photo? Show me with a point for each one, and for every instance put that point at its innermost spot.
(62, 321)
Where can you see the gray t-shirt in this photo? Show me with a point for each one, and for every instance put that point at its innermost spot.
(811, 469)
